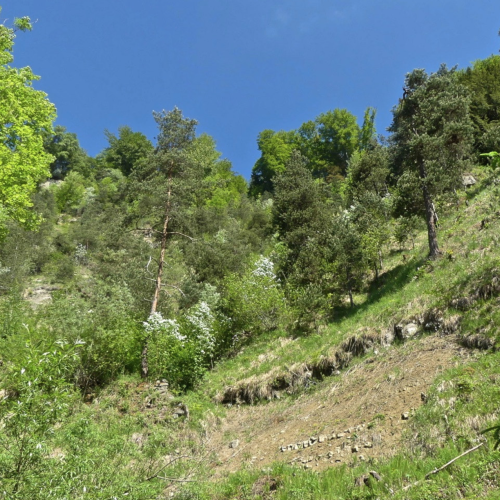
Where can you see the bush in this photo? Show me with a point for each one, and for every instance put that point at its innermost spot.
(254, 302)
(182, 350)
(37, 395)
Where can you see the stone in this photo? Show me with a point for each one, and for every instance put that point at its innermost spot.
(306, 444)
(468, 180)
(355, 449)
(282, 448)
(388, 337)
(3, 394)
(405, 416)
(340, 435)
(410, 330)
(368, 445)
(313, 439)
(234, 444)
(321, 438)
(362, 458)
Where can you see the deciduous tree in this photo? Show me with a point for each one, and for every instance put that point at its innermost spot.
(24, 114)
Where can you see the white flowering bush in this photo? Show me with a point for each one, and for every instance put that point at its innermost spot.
(156, 323)
(254, 302)
(200, 321)
(181, 350)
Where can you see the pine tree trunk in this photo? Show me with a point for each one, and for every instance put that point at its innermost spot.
(430, 216)
(159, 275)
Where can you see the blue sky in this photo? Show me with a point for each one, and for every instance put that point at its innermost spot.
(237, 66)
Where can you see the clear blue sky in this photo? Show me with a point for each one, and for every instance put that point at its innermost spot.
(239, 66)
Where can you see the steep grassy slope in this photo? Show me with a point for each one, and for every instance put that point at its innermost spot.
(399, 385)
(421, 346)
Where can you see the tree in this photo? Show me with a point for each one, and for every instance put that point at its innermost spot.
(276, 149)
(350, 262)
(125, 151)
(300, 216)
(24, 114)
(67, 153)
(339, 137)
(483, 81)
(432, 139)
(161, 182)
(328, 143)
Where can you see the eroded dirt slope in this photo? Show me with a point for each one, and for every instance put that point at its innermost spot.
(360, 414)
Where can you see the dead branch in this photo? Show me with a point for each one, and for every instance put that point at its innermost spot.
(435, 471)
(173, 479)
(175, 287)
(165, 466)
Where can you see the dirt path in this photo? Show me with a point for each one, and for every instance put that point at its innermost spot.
(357, 414)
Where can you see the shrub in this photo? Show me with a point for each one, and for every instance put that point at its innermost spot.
(36, 396)
(254, 302)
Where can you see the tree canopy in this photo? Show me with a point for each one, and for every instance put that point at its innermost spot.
(25, 113)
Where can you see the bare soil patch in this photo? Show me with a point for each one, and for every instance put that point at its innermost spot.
(358, 415)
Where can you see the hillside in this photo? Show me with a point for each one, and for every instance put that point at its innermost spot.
(400, 385)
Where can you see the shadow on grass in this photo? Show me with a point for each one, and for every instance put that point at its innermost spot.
(388, 283)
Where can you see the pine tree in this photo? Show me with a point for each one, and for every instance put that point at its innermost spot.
(432, 139)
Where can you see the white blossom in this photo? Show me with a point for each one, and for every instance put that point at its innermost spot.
(157, 323)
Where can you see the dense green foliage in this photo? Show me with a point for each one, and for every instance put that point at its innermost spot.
(25, 113)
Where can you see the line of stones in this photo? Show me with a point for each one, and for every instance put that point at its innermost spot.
(323, 437)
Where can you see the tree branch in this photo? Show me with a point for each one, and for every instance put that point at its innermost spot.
(435, 471)
(182, 234)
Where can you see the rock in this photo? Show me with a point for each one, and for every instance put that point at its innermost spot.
(321, 438)
(306, 444)
(468, 180)
(368, 445)
(3, 394)
(375, 475)
(362, 458)
(405, 416)
(313, 439)
(355, 449)
(340, 435)
(282, 448)
(234, 444)
(387, 337)
(409, 330)
(423, 397)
